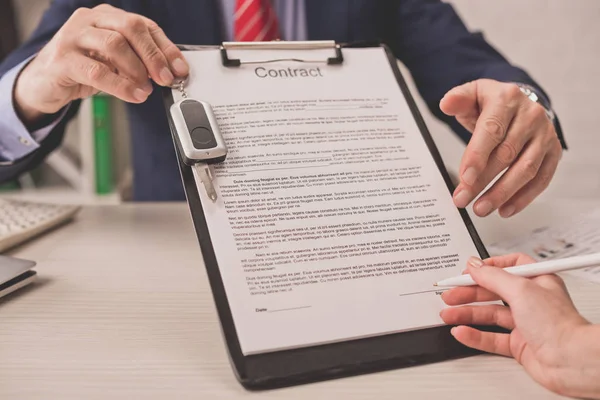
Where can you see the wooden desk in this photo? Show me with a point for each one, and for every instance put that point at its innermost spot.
(123, 310)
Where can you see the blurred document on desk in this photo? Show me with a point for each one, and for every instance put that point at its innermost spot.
(333, 220)
(572, 238)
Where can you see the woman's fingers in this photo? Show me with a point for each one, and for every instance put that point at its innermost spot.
(509, 260)
(468, 294)
(508, 286)
(497, 343)
(552, 282)
(494, 314)
(473, 294)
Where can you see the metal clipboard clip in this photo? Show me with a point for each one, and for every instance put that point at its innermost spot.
(198, 136)
(338, 59)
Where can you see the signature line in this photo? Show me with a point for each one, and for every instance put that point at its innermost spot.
(424, 291)
(290, 309)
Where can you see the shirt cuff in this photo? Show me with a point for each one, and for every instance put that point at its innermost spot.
(15, 140)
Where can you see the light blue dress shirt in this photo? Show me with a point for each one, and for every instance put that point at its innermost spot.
(17, 142)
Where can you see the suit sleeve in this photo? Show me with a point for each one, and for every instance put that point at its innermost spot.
(429, 37)
(56, 15)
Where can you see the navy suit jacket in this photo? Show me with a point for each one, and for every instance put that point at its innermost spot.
(426, 35)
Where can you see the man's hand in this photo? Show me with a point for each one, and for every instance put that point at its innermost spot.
(509, 131)
(552, 341)
(100, 49)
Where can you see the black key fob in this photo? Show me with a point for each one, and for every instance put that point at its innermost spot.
(198, 133)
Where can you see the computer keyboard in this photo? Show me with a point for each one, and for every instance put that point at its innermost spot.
(23, 220)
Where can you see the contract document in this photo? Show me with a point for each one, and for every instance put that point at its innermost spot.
(333, 220)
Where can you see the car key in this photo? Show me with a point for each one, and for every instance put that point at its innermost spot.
(199, 139)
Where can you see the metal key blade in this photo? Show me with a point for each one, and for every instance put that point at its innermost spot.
(206, 177)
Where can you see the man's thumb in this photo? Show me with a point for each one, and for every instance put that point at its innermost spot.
(460, 101)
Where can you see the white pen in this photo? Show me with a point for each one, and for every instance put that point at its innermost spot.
(531, 270)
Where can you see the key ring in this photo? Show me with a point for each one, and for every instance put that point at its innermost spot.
(180, 85)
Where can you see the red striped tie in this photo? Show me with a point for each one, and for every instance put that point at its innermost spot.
(255, 21)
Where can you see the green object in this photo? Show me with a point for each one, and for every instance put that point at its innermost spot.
(8, 187)
(102, 144)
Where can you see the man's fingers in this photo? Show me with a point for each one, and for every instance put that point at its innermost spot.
(134, 28)
(522, 160)
(535, 187)
(518, 175)
(464, 194)
(174, 56)
(87, 91)
(112, 47)
(489, 152)
(479, 315)
(93, 73)
(502, 157)
(497, 113)
(497, 343)
(461, 102)
(468, 294)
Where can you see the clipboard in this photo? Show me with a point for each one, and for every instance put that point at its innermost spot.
(325, 361)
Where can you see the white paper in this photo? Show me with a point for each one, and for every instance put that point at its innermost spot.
(578, 236)
(333, 221)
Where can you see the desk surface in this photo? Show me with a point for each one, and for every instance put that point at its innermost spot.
(122, 310)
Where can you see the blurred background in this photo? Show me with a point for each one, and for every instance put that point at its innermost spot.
(556, 41)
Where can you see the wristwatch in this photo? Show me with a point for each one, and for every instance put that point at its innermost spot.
(536, 97)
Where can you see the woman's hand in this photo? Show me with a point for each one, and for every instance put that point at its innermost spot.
(552, 341)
